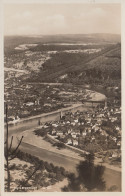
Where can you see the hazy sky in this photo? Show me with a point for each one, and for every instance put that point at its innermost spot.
(29, 19)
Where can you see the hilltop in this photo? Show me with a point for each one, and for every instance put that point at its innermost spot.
(10, 42)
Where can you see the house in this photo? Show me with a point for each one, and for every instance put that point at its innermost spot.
(84, 133)
(111, 110)
(73, 135)
(76, 121)
(119, 143)
(93, 138)
(77, 132)
(37, 102)
(54, 125)
(45, 126)
(108, 113)
(29, 103)
(89, 130)
(75, 143)
(62, 136)
(96, 127)
(69, 141)
(114, 138)
(53, 131)
(117, 128)
(59, 133)
(100, 115)
(113, 119)
(116, 109)
(69, 131)
(47, 104)
(114, 155)
(73, 123)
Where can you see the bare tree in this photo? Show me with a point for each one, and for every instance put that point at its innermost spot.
(9, 154)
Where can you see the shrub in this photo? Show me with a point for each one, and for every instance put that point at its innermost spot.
(59, 145)
(12, 167)
(52, 175)
(53, 181)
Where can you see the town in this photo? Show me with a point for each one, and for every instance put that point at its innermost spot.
(27, 99)
(97, 131)
(62, 110)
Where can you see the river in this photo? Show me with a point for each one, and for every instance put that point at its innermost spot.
(111, 177)
(32, 122)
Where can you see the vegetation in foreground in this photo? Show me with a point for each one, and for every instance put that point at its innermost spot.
(32, 173)
(89, 179)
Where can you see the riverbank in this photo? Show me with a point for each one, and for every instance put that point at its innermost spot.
(38, 147)
(32, 122)
(32, 139)
(41, 143)
(50, 113)
(93, 96)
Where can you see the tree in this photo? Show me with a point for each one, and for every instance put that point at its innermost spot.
(89, 177)
(9, 154)
(74, 184)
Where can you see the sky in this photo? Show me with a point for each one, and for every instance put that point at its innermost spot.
(47, 19)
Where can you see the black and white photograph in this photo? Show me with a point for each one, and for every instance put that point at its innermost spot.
(62, 97)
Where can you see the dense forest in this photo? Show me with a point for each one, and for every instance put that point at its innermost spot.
(82, 68)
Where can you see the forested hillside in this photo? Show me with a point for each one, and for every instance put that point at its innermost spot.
(82, 68)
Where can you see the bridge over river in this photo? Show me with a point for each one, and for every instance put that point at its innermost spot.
(95, 102)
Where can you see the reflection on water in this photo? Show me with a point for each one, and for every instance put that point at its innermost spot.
(31, 123)
(34, 122)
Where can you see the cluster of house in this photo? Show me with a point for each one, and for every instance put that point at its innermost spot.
(110, 155)
(35, 104)
(72, 127)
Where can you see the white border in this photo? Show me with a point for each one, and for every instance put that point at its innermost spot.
(2, 93)
(1, 101)
(62, 1)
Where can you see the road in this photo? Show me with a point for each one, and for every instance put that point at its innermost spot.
(69, 163)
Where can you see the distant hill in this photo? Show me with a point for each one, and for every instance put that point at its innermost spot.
(85, 38)
(12, 41)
